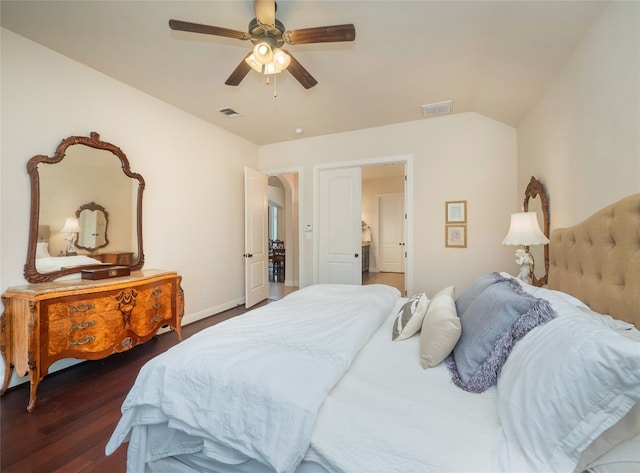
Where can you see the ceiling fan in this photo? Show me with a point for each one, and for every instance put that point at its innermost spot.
(268, 34)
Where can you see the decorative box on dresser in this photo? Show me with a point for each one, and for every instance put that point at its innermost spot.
(84, 319)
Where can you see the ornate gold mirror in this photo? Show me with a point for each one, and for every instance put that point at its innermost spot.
(68, 228)
(535, 200)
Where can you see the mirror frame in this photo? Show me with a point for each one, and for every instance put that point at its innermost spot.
(93, 207)
(535, 188)
(31, 274)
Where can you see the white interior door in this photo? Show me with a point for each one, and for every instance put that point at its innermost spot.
(256, 251)
(392, 245)
(340, 229)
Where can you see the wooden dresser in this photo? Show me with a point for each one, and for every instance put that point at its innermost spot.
(84, 319)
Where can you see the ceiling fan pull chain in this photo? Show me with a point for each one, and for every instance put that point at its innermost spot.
(275, 86)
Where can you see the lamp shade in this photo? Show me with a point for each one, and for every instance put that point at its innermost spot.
(524, 230)
(71, 225)
(263, 51)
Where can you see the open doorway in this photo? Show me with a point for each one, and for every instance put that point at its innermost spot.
(283, 206)
(384, 225)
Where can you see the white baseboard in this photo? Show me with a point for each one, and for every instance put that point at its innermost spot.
(203, 314)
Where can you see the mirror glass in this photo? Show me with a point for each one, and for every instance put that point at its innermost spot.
(535, 200)
(93, 220)
(83, 179)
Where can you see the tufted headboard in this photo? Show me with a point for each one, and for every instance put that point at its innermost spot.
(598, 260)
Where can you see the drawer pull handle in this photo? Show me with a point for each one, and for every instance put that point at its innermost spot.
(83, 324)
(82, 341)
(156, 292)
(156, 318)
(81, 308)
(156, 306)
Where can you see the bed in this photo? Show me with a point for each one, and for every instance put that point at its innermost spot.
(45, 263)
(504, 377)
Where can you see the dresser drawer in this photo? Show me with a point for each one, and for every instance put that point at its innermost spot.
(83, 326)
(155, 308)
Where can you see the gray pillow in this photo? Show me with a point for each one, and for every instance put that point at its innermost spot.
(476, 288)
(492, 324)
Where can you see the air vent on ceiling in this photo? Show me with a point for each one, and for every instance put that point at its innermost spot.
(436, 108)
(229, 112)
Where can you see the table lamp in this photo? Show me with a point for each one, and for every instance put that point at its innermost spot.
(524, 230)
(71, 226)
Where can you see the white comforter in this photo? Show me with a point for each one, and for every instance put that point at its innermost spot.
(251, 387)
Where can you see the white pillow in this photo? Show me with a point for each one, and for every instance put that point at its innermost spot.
(440, 329)
(410, 316)
(607, 320)
(563, 385)
(623, 458)
(42, 250)
(626, 430)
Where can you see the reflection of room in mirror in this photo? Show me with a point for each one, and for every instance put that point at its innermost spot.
(93, 219)
(97, 177)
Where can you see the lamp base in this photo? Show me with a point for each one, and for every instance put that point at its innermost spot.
(525, 273)
(525, 260)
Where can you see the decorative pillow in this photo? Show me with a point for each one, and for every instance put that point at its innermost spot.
(42, 250)
(492, 324)
(563, 386)
(410, 316)
(474, 290)
(440, 329)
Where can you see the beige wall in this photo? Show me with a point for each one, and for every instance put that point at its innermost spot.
(583, 139)
(194, 196)
(455, 157)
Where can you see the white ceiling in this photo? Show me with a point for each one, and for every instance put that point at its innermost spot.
(492, 57)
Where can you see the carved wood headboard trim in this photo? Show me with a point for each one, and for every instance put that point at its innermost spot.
(598, 260)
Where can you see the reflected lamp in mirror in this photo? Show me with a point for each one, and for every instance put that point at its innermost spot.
(525, 231)
(71, 226)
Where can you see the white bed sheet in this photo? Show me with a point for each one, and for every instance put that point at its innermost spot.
(388, 414)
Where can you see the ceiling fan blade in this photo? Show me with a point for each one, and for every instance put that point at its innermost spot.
(206, 29)
(265, 11)
(239, 73)
(321, 34)
(300, 73)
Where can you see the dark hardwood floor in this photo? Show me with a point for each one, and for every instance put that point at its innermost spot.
(76, 411)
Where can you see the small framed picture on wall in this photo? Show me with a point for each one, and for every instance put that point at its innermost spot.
(456, 211)
(455, 236)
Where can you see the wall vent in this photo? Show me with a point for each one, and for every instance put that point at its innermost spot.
(437, 108)
(228, 112)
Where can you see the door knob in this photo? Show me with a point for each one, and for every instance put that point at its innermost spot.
(356, 255)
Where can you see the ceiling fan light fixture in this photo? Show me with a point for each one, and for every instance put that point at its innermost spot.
(281, 59)
(263, 52)
(254, 63)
